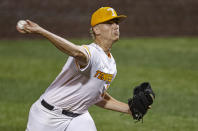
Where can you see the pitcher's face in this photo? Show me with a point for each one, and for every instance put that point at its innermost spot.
(109, 30)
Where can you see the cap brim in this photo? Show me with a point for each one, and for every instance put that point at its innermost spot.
(120, 18)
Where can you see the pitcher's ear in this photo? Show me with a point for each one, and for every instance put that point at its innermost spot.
(96, 30)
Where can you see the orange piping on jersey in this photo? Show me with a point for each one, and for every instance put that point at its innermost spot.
(86, 48)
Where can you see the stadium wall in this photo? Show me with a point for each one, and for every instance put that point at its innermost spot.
(71, 18)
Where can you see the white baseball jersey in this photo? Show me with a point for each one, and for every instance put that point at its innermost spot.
(75, 89)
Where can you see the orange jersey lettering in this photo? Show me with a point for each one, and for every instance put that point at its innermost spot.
(103, 76)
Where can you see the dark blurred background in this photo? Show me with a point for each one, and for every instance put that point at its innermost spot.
(71, 18)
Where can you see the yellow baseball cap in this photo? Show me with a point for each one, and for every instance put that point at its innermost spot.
(104, 14)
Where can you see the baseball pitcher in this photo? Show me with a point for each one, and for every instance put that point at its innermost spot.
(84, 79)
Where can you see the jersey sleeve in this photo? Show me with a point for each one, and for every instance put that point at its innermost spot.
(94, 59)
(88, 66)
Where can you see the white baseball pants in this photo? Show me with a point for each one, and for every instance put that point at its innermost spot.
(42, 119)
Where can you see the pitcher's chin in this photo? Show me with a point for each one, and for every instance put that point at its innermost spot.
(115, 40)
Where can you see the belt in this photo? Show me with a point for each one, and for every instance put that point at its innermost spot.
(65, 112)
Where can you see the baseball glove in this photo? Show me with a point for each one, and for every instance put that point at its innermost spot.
(143, 97)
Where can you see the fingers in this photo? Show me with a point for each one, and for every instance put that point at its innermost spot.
(21, 30)
(29, 22)
(25, 28)
(28, 27)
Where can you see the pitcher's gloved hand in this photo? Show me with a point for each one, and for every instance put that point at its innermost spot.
(143, 97)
